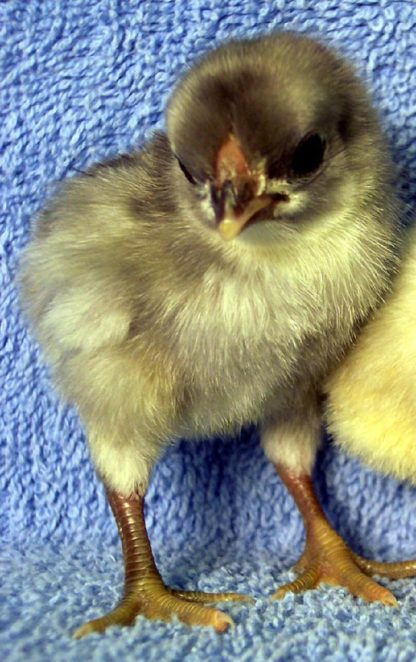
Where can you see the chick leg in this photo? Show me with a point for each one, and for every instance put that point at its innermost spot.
(144, 591)
(327, 559)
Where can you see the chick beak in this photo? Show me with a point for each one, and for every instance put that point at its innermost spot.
(238, 190)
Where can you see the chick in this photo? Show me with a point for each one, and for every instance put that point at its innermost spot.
(372, 395)
(212, 280)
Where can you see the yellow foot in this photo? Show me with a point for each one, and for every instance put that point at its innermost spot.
(164, 603)
(328, 560)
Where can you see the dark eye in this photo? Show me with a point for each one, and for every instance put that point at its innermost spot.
(186, 172)
(308, 155)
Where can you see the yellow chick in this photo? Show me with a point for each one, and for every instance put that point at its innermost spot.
(372, 395)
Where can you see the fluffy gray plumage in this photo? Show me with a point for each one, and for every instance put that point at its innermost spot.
(156, 327)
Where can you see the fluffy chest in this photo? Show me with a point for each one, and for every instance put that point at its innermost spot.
(240, 340)
(228, 319)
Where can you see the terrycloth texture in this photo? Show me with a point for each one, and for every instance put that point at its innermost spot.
(82, 80)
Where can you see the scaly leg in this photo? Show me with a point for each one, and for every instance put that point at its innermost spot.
(327, 559)
(144, 591)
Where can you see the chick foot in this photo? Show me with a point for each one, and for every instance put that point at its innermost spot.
(163, 603)
(144, 591)
(327, 559)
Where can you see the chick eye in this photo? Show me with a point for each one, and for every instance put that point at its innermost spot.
(186, 172)
(308, 155)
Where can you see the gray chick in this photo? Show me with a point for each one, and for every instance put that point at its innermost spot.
(211, 280)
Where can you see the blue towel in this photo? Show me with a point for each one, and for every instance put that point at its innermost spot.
(82, 80)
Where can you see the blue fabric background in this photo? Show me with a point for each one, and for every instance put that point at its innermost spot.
(82, 80)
